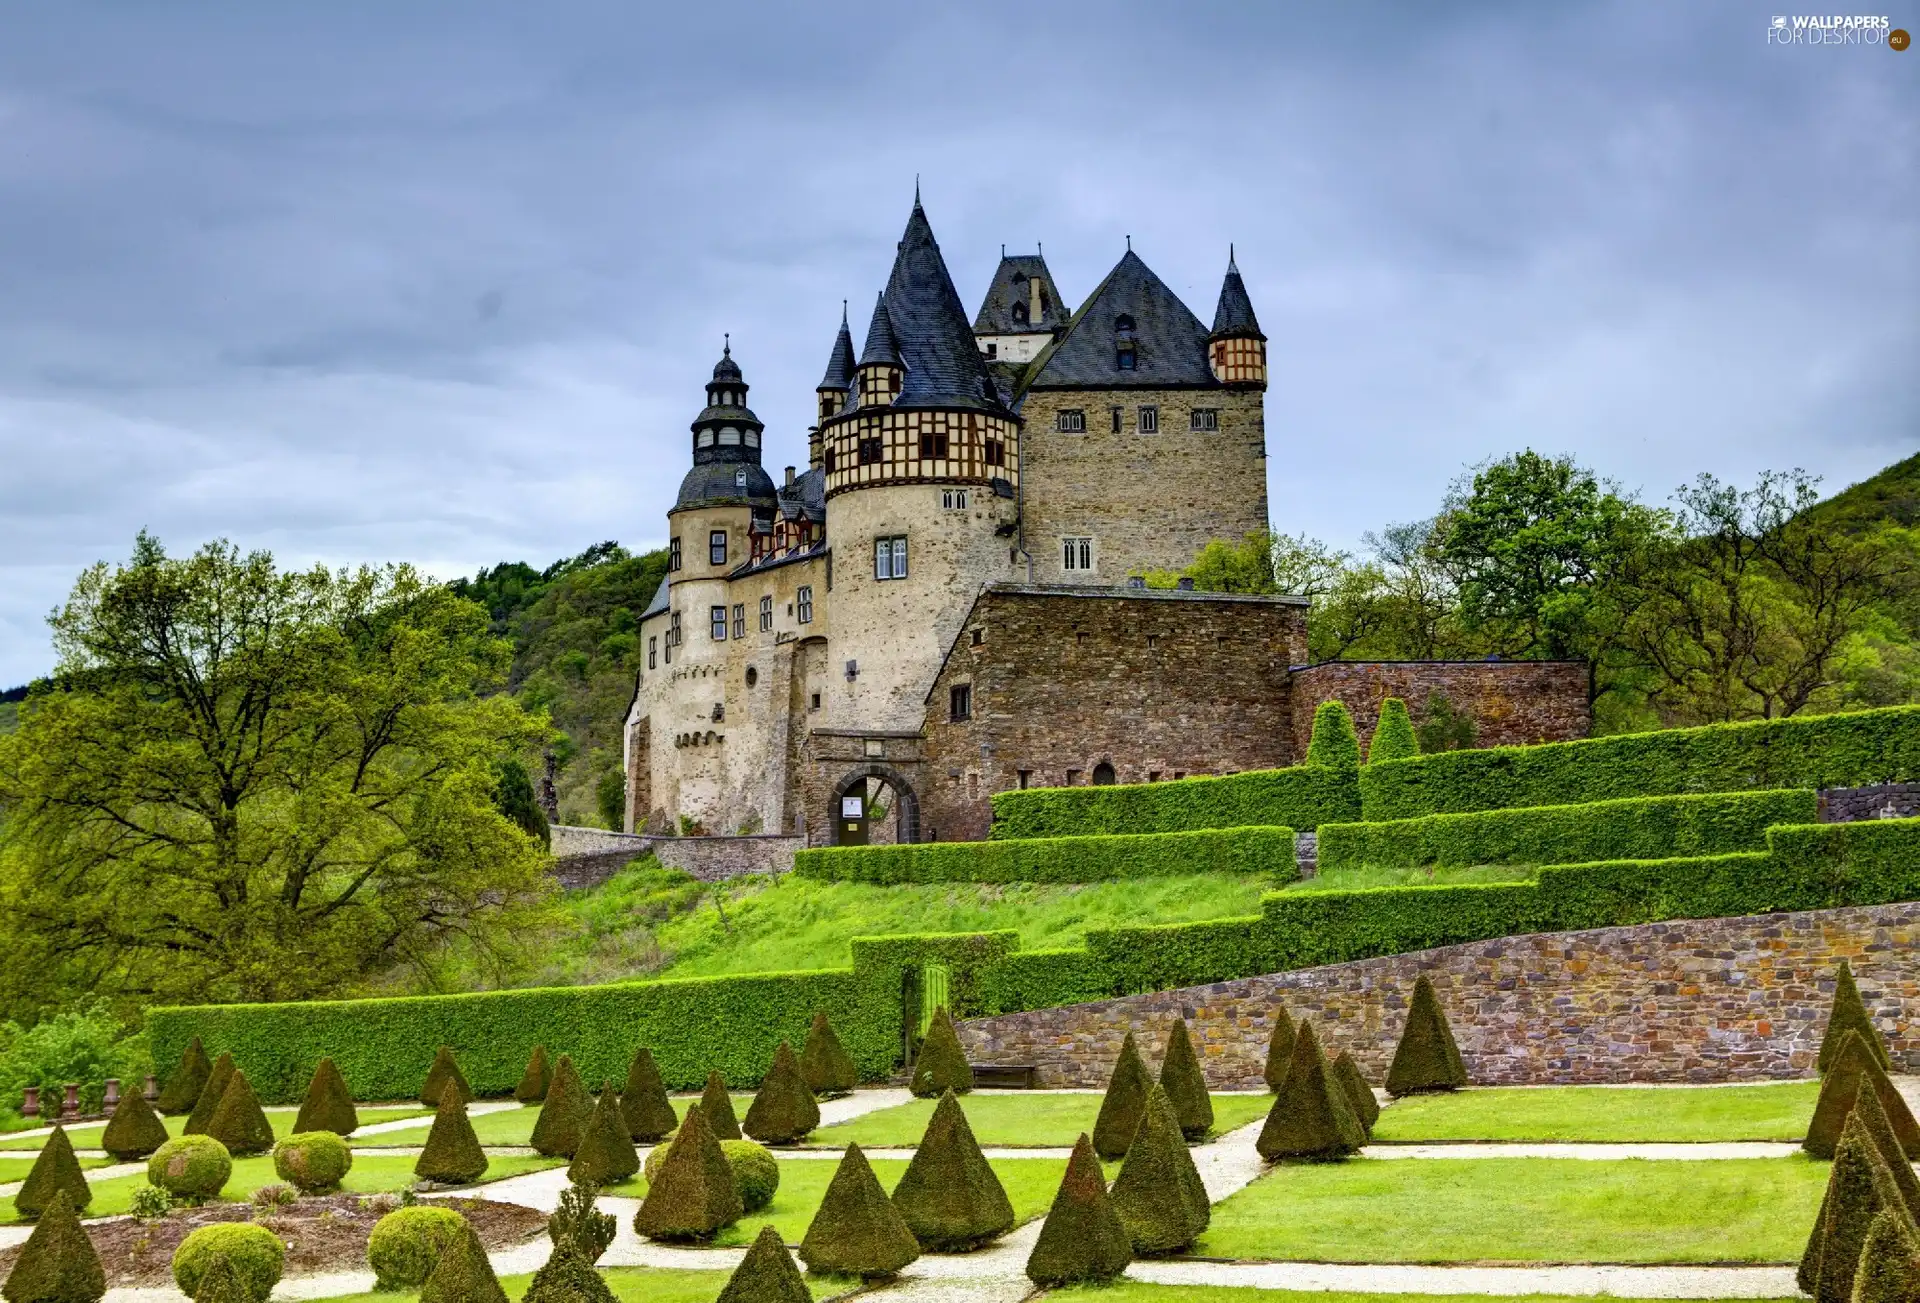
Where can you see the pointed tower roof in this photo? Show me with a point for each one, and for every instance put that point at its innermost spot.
(1234, 315)
(1012, 284)
(882, 349)
(935, 341)
(1170, 344)
(840, 362)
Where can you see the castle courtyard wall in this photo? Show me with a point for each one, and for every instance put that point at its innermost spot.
(1512, 703)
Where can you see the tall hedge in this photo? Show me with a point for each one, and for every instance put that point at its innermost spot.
(1267, 850)
(1393, 734)
(1304, 796)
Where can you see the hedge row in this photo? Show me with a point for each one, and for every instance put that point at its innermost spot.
(1846, 750)
(1645, 827)
(1060, 859)
(1305, 796)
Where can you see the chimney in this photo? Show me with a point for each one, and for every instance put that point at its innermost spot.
(789, 477)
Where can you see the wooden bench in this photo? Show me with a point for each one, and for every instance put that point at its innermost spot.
(1007, 1076)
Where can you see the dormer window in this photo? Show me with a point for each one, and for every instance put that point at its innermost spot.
(1124, 353)
(729, 436)
(1020, 313)
(740, 478)
(704, 439)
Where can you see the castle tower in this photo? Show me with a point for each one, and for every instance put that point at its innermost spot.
(833, 387)
(1236, 349)
(1022, 312)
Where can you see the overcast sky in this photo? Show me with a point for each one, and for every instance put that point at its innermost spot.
(442, 282)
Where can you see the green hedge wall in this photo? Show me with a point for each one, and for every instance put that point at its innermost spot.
(1302, 797)
(1060, 859)
(1647, 827)
(1846, 750)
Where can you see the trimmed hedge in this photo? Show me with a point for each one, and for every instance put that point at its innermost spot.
(1845, 750)
(1304, 796)
(1060, 859)
(1645, 827)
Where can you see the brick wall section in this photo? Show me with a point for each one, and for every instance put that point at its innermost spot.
(1706, 1000)
(1513, 703)
(1152, 682)
(1880, 801)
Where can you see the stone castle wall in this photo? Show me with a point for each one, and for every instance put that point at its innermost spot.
(587, 857)
(1704, 1000)
(1513, 703)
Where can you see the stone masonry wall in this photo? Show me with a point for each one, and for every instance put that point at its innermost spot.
(1880, 801)
(587, 857)
(1705, 1000)
(1513, 703)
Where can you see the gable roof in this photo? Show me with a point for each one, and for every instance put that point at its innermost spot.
(996, 305)
(1170, 344)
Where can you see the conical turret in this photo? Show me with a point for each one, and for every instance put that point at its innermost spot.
(1236, 348)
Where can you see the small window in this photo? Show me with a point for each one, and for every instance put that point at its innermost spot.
(1205, 418)
(953, 499)
(673, 555)
(653, 653)
(871, 451)
(766, 614)
(832, 461)
(1076, 554)
(673, 631)
(717, 547)
(1103, 775)
(1149, 420)
(803, 599)
(993, 350)
(996, 454)
(740, 478)
(1025, 777)
(704, 439)
(893, 382)
(1071, 420)
(739, 619)
(1073, 778)
(1153, 641)
(1153, 775)
(1116, 418)
(960, 703)
(1020, 314)
(717, 623)
(933, 445)
(753, 676)
(1123, 356)
(890, 557)
(813, 701)
(979, 636)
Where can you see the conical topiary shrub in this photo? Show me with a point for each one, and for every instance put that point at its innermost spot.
(462, 1274)
(1279, 1049)
(693, 1194)
(783, 1109)
(328, 1105)
(716, 1104)
(54, 1171)
(210, 1096)
(1853, 1070)
(1427, 1059)
(567, 1277)
(1873, 1120)
(606, 1155)
(1889, 1267)
(1185, 1084)
(444, 1072)
(1083, 1238)
(644, 1103)
(1333, 744)
(1393, 736)
(533, 1082)
(57, 1264)
(950, 1196)
(221, 1282)
(240, 1123)
(1311, 1118)
(857, 1230)
(941, 1065)
(765, 1275)
(557, 1130)
(825, 1065)
(1859, 1188)
(1849, 1014)
(452, 1155)
(1159, 1195)
(1124, 1104)
(186, 1081)
(1359, 1094)
(134, 1130)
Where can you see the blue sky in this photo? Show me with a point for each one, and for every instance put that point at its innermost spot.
(366, 282)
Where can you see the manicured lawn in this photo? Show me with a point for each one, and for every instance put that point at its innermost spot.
(636, 1285)
(88, 1136)
(249, 1174)
(1604, 1113)
(512, 1126)
(1028, 1121)
(16, 1169)
(1523, 1210)
(1134, 1291)
(1030, 1184)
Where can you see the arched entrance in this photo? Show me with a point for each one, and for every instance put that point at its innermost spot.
(874, 805)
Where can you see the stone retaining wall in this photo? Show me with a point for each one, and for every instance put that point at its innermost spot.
(1880, 801)
(587, 857)
(1703, 1000)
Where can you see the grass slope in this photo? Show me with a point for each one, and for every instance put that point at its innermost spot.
(1603, 1114)
(1893, 495)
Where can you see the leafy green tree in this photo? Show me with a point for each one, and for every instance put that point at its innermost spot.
(610, 793)
(250, 784)
(513, 797)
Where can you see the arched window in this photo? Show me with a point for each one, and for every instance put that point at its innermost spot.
(1123, 323)
(1103, 775)
(705, 439)
(729, 435)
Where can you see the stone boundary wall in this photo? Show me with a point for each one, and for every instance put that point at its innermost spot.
(587, 857)
(1513, 703)
(569, 840)
(1701, 1000)
(1860, 804)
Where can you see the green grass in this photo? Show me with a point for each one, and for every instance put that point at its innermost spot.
(1136, 1291)
(639, 1285)
(88, 1136)
(1604, 1114)
(1026, 1121)
(512, 1126)
(1401, 876)
(16, 1169)
(1030, 1184)
(369, 1175)
(1523, 1210)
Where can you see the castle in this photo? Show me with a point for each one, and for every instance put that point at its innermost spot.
(947, 602)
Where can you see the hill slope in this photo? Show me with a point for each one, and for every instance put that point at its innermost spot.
(1892, 496)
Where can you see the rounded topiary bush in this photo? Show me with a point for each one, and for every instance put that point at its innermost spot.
(407, 1243)
(312, 1161)
(254, 1252)
(191, 1167)
(756, 1172)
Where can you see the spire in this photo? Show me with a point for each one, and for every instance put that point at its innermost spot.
(881, 348)
(839, 376)
(726, 368)
(1234, 316)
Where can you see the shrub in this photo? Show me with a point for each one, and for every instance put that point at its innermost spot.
(273, 1196)
(644, 1103)
(1859, 1188)
(557, 1130)
(84, 1045)
(784, 1110)
(1333, 743)
(1185, 1084)
(1251, 850)
(149, 1203)
(949, 1196)
(1158, 1195)
(1083, 1239)
(55, 1171)
(756, 1173)
(191, 1167)
(312, 1161)
(765, 1275)
(220, 1283)
(1279, 1048)
(254, 1252)
(533, 1082)
(134, 1130)
(716, 1105)
(579, 1226)
(444, 1072)
(1393, 735)
(692, 1195)
(941, 1065)
(1849, 1013)
(1124, 1104)
(825, 1065)
(1427, 1059)
(567, 1277)
(57, 1264)
(329, 1104)
(186, 1081)
(463, 1274)
(210, 1096)
(1889, 1267)
(1311, 1118)
(1301, 797)
(1879, 1128)
(1347, 1074)
(452, 1154)
(857, 1231)
(240, 1123)
(406, 1243)
(1855, 1071)
(606, 1155)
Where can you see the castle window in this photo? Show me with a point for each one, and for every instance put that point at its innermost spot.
(1205, 418)
(871, 451)
(813, 701)
(1153, 775)
(996, 453)
(1116, 418)
(890, 557)
(979, 636)
(1123, 355)
(933, 445)
(1103, 775)
(752, 438)
(704, 439)
(893, 382)
(1149, 420)
(717, 623)
(653, 653)
(766, 614)
(673, 555)
(740, 478)
(1025, 778)
(1071, 420)
(803, 598)
(960, 703)
(753, 676)
(831, 461)
(1073, 778)
(739, 619)
(729, 436)
(1076, 554)
(953, 499)
(1020, 314)
(717, 547)
(993, 350)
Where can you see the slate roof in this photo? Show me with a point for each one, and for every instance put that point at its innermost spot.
(806, 496)
(1234, 315)
(840, 362)
(996, 306)
(1170, 344)
(716, 483)
(881, 348)
(658, 605)
(943, 363)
